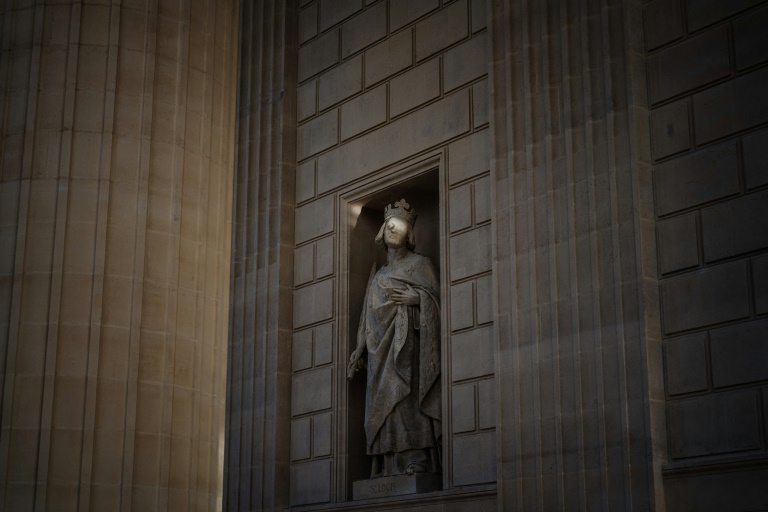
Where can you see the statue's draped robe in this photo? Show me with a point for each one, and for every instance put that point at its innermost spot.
(402, 407)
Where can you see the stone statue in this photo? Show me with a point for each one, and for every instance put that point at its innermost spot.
(400, 330)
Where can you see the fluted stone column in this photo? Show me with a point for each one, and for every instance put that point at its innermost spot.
(581, 414)
(115, 229)
(258, 388)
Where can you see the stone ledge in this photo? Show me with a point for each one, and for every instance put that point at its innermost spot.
(396, 485)
(479, 497)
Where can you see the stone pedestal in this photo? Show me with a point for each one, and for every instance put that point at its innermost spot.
(396, 485)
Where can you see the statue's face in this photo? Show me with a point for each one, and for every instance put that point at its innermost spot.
(396, 233)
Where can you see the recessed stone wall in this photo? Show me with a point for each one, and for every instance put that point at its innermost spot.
(399, 80)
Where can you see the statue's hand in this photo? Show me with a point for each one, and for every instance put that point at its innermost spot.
(407, 296)
(356, 362)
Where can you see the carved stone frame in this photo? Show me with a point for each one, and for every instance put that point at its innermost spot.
(423, 165)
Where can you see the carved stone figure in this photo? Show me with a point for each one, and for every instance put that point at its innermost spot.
(400, 331)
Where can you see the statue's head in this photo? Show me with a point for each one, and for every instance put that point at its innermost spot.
(398, 226)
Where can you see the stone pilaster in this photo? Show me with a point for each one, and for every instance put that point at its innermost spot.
(580, 399)
(258, 397)
(118, 125)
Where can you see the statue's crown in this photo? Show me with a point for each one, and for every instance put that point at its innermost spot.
(402, 210)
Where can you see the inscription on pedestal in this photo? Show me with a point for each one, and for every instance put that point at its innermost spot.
(381, 487)
(396, 485)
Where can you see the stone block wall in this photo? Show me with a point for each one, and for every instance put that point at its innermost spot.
(707, 66)
(383, 84)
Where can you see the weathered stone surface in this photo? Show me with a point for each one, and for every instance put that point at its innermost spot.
(479, 13)
(461, 306)
(313, 303)
(678, 243)
(478, 461)
(469, 156)
(325, 249)
(318, 55)
(301, 350)
(364, 29)
(364, 112)
(388, 57)
(690, 64)
(314, 219)
(304, 264)
(730, 107)
(706, 426)
(404, 137)
(322, 429)
(584, 46)
(442, 29)
(311, 391)
(115, 253)
(714, 492)
(340, 82)
(756, 158)
(460, 207)
(463, 410)
(566, 101)
(486, 390)
(307, 23)
(414, 87)
(691, 180)
(484, 293)
(705, 297)
(324, 344)
(739, 353)
(663, 23)
(735, 227)
(300, 439)
(686, 364)
(307, 100)
(750, 39)
(311, 482)
(670, 132)
(396, 485)
(465, 62)
(317, 134)
(480, 103)
(305, 181)
(482, 200)
(402, 12)
(333, 11)
(472, 354)
(470, 252)
(706, 12)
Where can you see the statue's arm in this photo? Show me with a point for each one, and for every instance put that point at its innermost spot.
(357, 359)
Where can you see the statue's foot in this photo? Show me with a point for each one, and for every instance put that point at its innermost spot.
(415, 467)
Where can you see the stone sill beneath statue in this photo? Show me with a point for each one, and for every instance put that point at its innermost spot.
(469, 493)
